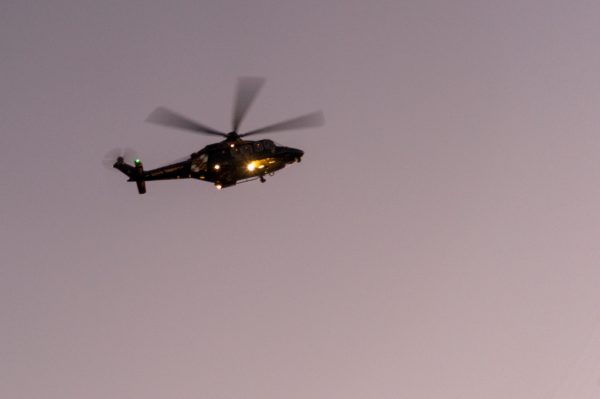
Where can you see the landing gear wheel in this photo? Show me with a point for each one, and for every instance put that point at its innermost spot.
(262, 179)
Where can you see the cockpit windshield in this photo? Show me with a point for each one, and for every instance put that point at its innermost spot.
(264, 146)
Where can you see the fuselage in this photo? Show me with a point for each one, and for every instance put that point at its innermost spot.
(228, 162)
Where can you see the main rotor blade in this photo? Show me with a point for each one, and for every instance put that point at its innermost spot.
(247, 89)
(166, 117)
(313, 119)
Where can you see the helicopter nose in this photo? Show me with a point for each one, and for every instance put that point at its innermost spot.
(297, 154)
(291, 155)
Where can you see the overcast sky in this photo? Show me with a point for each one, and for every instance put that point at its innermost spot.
(439, 239)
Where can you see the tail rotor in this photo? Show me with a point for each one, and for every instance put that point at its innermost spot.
(119, 155)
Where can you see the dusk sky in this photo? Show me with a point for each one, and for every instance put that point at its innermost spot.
(438, 240)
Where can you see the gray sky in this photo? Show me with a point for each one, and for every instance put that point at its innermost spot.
(439, 239)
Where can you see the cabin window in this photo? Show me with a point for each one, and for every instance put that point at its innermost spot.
(258, 147)
(268, 144)
(246, 149)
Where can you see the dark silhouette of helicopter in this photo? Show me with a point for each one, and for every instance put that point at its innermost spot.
(228, 162)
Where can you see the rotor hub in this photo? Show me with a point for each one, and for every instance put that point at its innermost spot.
(233, 136)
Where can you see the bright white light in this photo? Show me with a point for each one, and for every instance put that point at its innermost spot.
(251, 166)
(218, 186)
(217, 166)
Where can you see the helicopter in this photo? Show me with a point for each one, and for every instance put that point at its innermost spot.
(228, 162)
